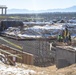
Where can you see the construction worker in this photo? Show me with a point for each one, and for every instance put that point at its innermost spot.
(60, 38)
(66, 35)
(69, 42)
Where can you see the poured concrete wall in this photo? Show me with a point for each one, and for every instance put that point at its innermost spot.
(66, 55)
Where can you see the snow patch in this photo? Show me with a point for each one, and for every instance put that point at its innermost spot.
(8, 70)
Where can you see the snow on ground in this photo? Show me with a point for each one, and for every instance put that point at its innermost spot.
(47, 27)
(12, 31)
(23, 69)
(29, 36)
(33, 32)
(33, 70)
(45, 31)
(40, 31)
(11, 70)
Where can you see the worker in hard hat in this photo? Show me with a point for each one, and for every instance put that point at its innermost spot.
(66, 35)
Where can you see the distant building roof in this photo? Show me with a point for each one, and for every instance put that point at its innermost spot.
(3, 6)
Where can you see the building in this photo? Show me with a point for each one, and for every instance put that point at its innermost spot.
(5, 24)
(3, 7)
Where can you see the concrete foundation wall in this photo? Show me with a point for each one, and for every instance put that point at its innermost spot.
(40, 50)
(62, 63)
(67, 55)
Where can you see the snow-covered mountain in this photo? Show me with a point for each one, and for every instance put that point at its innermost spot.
(24, 11)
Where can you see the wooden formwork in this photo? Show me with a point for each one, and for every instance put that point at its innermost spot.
(26, 58)
(20, 56)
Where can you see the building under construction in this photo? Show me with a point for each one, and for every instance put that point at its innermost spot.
(36, 52)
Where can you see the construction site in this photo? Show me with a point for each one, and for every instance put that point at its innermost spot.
(35, 52)
(36, 56)
(34, 49)
(30, 49)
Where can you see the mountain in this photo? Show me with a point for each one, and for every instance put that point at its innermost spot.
(70, 9)
(24, 11)
(16, 11)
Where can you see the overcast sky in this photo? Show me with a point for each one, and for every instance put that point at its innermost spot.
(38, 4)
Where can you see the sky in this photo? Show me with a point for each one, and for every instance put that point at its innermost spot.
(38, 4)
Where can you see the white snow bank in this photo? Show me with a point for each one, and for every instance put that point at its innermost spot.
(47, 27)
(28, 36)
(10, 70)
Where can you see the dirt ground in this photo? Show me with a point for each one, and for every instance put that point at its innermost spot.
(23, 69)
(52, 70)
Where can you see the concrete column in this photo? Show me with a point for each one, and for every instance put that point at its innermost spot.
(2, 11)
(5, 11)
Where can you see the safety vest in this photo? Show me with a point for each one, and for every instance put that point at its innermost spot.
(60, 37)
(66, 34)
